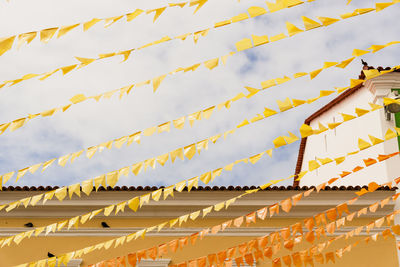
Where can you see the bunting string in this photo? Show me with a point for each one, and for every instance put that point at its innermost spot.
(286, 206)
(45, 35)
(242, 45)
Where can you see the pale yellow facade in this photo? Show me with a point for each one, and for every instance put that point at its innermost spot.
(380, 253)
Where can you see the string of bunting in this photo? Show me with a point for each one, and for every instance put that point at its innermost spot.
(286, 205)
(45, 35)
(165, 127)
(119, 241)
(111, 178)
(6, 43)
(210, 64)
(255, 249)
(137, 202)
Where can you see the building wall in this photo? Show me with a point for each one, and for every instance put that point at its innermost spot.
(344, 139)
(383, 251)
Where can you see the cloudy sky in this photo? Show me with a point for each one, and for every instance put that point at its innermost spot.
(91, 123)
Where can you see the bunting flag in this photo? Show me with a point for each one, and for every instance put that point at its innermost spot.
(112, 177)
(45, 35)
(242, 45)
(262, 213)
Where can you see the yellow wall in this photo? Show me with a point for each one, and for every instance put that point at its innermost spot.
(381, 253)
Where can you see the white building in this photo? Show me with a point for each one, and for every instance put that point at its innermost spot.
(344, 139)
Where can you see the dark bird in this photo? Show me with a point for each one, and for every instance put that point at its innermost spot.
(50, 255)
(364, 63)
(29, 224)
(105, 225)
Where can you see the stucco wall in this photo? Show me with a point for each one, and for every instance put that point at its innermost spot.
(343, 139)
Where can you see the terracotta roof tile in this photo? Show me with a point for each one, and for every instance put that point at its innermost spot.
(200, 188)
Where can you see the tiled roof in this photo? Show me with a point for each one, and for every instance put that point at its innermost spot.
(200, 188)
(324, 109)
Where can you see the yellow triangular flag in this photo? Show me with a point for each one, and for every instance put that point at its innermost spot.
(60, 193)
(327, 21)
(315, 73)
(47, 34)
(194, 182)
(292, 29)
(312, 165)
(306, 130)
(363, 144)
(291, 138)
(180, 186)
(284, 105)
(268, 83)
(210, 64)
(65, 29)
(361, 112)
(344, 63)
(87, 186)
(244, 44)
(157, 11)
(133, 15)
(112, 178)
(390, 134)
(75, 188)
(155, 195)
(259, 40)
(255, 11)
(25, 37)
(157, 81)
(278, 142)
(6, 44)
(190, 151)
(133, 203)
(375, 140)
(269, 112)
(359, 52)
(347, 117)
(381, 6)
(310, 24)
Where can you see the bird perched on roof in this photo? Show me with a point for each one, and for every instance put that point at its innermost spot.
(105, 225)
(364, 63)
(29, 224)
(50, 255)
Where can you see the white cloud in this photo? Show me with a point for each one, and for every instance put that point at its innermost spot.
(92, 123)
